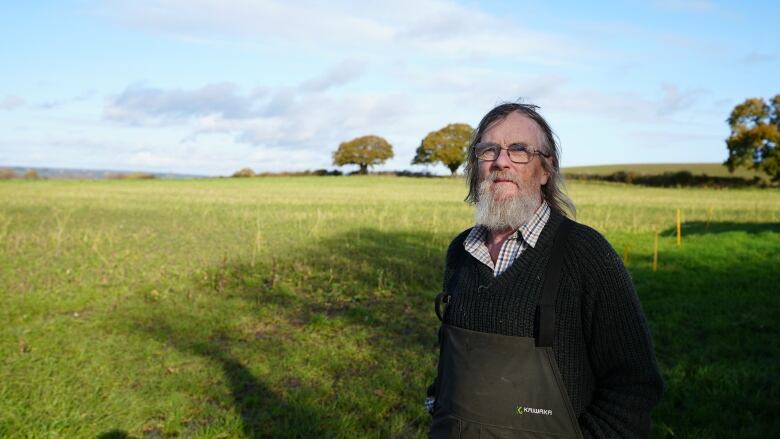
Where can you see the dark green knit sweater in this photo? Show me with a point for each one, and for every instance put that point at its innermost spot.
(602, 343)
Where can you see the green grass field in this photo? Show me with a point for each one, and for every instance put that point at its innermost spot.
(302, 307)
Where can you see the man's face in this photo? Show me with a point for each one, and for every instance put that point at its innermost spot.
(514, 179)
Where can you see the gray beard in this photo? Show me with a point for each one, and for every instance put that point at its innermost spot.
(508, 213)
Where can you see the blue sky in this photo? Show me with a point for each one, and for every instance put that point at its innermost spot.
(209, 87)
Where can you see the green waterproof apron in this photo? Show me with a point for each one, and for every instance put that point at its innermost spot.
(499, 386)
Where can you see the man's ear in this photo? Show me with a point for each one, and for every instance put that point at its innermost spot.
(546, 178)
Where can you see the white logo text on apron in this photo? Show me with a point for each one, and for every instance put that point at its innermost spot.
(522, 410)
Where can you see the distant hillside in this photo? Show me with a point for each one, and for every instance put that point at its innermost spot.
(711, 169)
(89, 174)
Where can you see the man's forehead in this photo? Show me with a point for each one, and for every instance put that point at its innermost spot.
(515, 127)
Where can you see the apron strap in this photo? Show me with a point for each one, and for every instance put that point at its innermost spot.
(545, 311)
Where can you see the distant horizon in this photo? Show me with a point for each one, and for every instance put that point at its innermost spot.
(340, 168)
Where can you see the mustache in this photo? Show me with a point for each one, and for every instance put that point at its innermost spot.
(499, 175)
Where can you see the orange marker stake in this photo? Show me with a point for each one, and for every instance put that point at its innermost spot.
(655, 253)
(679, 236)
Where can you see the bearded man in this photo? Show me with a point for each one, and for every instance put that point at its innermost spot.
(542, 331)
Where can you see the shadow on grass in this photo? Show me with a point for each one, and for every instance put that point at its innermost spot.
(376, 284)
(714, 317)
(714, 325)
(382, 280)
(263, 412)
(704, 228)
(115, 434)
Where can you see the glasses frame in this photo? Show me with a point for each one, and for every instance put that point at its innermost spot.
(530, 151)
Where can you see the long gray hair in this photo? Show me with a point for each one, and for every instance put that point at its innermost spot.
(553, 191)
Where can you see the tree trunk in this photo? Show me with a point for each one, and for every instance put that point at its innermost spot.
(453, 168)
(363, 168)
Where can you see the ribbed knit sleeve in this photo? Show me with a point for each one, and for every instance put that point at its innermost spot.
(628, 383)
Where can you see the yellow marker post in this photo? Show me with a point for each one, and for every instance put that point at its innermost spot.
(679, 236)
(709, 218)
(625, 254)
(655, 253)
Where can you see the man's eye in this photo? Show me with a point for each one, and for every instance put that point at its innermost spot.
(486, 147)
(517, 147)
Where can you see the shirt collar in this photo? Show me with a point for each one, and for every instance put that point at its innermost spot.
(531, 230)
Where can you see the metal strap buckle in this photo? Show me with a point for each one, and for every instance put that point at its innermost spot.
(444, 298)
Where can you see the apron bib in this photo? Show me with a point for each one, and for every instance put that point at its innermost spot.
(500, 386)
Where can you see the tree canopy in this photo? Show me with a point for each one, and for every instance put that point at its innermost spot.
(446, 146)
(363, 151)
(755, 136)
(244, 172)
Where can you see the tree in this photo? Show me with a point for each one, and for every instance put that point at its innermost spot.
(244, 172)
(363, 151)
(7, 174)
(755, 136)
(446, 146)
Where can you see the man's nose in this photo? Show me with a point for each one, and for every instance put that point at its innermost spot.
(502, 161)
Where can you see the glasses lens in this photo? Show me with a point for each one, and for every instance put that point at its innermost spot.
(486, 151)
(518, 153)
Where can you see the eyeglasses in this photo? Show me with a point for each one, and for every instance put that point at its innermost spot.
(519, 153)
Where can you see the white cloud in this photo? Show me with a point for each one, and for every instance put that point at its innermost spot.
(341, 74)
(461, 33)
(301, 116)
(10, 102)
(437, 28)
(480, 86)
(56, 103)
(309, 120)
(140, 104)
(628, 107)
(290, 128)
(305, 124)
(675, 100)
(291, 22)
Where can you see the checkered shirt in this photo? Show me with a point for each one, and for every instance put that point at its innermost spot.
(523, 237)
